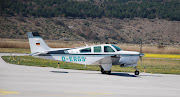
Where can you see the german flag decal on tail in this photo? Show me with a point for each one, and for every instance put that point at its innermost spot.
(37, 43)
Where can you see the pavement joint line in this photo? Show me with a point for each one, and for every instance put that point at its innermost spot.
(90, 93)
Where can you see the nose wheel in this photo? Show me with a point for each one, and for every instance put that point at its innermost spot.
(136, 72)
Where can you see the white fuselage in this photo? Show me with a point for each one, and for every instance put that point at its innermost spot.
(74, 55)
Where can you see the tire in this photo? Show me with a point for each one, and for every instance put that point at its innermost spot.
(102, 71)
(108, 72)
(136, 72)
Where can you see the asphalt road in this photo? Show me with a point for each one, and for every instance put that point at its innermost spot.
(31, 81)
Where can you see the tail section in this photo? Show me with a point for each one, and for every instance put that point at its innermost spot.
(37, 44)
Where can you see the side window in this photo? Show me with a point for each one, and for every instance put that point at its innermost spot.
(97, 49)
(86, 50)
(108, 49)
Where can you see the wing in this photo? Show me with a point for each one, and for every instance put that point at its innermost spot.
(111, 59)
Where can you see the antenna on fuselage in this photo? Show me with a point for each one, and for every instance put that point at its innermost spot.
(85, 44)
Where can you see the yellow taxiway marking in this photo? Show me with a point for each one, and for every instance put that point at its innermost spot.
(173, 56)
(6, 92)
(89, 93)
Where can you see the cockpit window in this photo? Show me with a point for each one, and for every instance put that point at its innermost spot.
(97, 49)
(86, 50)
(108, 49)
(117, 48)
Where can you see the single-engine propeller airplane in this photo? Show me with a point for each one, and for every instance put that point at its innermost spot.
(104, 55)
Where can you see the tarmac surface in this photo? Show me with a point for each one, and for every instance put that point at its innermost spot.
(31, 81)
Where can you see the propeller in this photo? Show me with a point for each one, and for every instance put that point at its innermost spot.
(141, 51)
(141, 54)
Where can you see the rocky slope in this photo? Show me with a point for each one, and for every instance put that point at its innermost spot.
(111, 30)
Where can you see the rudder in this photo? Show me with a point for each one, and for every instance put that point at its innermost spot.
(36, 43)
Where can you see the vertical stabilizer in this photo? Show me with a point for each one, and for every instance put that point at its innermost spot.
(36, 43)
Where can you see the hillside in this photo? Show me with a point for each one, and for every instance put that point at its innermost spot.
(152, 31)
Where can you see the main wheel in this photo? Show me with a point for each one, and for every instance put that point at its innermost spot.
(102, 71)
(136, 72)
(108, 72)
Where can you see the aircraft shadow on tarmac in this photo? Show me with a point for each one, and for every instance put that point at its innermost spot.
(123, 74)
(115, 74)
(59, 71)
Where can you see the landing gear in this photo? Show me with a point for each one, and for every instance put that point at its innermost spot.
(136, 72)
(105, 72)
(102, 71)
(108, 72)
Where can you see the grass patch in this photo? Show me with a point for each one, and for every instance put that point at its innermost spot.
(15, 50)
(165, 66)
(147, 48)
(32, 61)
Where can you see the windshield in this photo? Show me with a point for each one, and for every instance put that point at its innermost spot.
(108, 49)
(117, 48)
